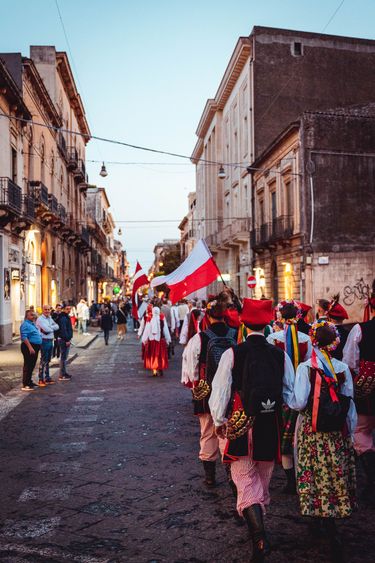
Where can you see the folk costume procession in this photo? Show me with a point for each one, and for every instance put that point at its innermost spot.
(268, 387)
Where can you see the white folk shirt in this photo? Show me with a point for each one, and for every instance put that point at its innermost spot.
(302, 388)
(190, 360)
(222, 384)
(149, 335)
(302, 337)
(47, 326)
(351, 352)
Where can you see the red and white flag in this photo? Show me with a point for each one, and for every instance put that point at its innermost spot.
(139, 279)
(197, 271)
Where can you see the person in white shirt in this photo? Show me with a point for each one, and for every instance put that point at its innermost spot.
(83, 315)
(252, 381)
(47, 327)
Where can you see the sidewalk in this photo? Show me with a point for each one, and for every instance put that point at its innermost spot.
(11, 360)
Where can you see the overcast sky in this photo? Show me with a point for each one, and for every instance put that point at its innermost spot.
(144, 70)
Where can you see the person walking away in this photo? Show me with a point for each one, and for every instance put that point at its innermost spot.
(183, 309)
(337, 314)
(73, 316)
(199, 364)
(323, 394)
(83, 315)
(122, 319)
(106, 324)
(93, 310)
(47, 327)
(156, 338)
(55, 317)
(298, 347)
(31, 341)
(251, 383)
(359, 354)
(303, 324)
(65, 338)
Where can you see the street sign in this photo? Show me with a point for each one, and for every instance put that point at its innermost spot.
(251, 282)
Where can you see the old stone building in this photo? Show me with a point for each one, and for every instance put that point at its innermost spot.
(273, 76)
(313, 201)
(45, 238)
(16, 209)
(187, 227)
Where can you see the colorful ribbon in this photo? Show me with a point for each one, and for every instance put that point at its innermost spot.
(328, 370)
(291, 343)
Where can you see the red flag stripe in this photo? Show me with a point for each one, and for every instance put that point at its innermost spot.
(203, 276)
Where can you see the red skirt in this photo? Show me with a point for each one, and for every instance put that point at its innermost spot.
(156, 354)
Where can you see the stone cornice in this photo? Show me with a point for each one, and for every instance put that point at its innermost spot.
(66, 75)
(235, 66)
(12, 92)
(198, 149)
(43, 100)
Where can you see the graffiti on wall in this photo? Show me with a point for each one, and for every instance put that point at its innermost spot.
(357, 292)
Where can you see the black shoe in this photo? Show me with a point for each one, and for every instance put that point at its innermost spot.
(290, 487)
(210, 471)
(254, 519)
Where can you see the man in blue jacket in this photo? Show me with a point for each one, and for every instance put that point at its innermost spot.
(65, 337)
(31, 340)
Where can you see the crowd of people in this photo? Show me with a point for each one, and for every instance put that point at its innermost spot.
(50, 334)
(272, 385)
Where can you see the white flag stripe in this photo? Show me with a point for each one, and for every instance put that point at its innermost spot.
(199, 256)
(138, 275)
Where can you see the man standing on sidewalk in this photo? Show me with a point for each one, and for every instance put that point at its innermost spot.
(30, 346)
(83, 315)
(65, 337)
(47, 326)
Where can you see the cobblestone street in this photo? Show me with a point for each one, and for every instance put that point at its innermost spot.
(104, 468)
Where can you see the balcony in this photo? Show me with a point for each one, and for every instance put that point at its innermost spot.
(40, 195)
(235, 233)
(80, 171)
(62, 213)
(280, 230)
(53, 205)
(61, 144)
(10, 201)
(85, 236)
(72, 158)
(28, 208)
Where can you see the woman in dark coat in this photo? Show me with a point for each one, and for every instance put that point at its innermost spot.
(106, 324)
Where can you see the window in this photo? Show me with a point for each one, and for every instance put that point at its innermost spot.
(273, 206)
(261, 212)
(297, 49)
(289, 203)
(14, 164)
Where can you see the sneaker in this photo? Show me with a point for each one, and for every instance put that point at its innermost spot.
(50, 381)
(33, 385)
(27, 388)
(65, 377)
(86, 334)
(42, 384)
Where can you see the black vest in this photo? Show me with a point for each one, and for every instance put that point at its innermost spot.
(255, 360)
(367, 344)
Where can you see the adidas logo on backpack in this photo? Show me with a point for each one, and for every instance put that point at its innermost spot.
(268, 407)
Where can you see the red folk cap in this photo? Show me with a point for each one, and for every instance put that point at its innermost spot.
(257, 311)
(338, 312)
(304, 307)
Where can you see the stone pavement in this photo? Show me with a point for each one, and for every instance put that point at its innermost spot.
(104, 469)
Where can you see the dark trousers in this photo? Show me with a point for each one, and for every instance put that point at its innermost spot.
(106, 335)
(45, 358)
(135, 323)
(64, 353)
(29, 361)
(56, 348)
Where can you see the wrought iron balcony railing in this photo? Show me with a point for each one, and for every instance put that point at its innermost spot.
(53, 204)
(40, 193)
(28, 207)
(10, 195)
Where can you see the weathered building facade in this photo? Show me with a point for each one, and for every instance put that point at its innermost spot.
(313, 201)
(273, 77)
(44, 235)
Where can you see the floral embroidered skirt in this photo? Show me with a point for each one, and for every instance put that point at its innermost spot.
(289, 425)
(325, 473)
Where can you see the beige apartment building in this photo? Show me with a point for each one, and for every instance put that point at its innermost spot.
(45, 241)
(188, 227)
(266, 87)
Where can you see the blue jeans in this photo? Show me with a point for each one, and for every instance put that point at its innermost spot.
(64, 353)
(45, 358)
(82, 326)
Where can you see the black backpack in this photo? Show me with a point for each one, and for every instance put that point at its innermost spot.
(262, 384)
(330, 415)
(216, 347)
